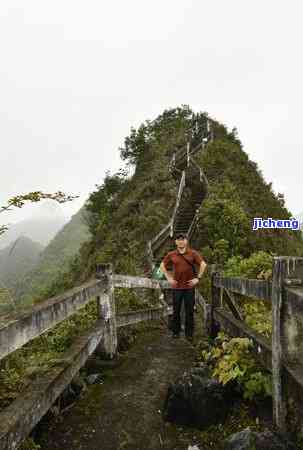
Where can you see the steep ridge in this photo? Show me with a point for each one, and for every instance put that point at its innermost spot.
(192, 190)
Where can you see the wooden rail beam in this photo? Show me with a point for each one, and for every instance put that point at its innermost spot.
(44, 316)
(21, 416)
(232, 304)
(260, 289)
(127, 281)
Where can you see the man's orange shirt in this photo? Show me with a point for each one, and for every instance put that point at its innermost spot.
(182, 271)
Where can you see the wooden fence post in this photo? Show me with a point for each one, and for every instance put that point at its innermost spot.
(107, 312)
(215, 303)
(279, 407)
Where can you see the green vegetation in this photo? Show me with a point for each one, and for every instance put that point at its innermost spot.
(22, 366)
(15, 261)
(29, 444)
(232, 360)
(257, 313)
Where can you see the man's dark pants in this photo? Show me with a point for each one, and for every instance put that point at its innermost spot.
(188, 297)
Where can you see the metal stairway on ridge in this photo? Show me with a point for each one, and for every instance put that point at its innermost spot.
(192, 190)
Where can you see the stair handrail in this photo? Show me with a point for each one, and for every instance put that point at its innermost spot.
(186, 152)
(179, 196)
(159, 235)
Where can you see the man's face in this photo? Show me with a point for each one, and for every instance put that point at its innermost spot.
(181, 242)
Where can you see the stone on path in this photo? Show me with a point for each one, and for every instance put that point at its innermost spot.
(196, 400)
(251, 440)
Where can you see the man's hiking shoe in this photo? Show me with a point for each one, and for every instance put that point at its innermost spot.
(176, 335)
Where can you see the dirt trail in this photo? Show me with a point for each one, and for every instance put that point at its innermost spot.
(124, 413)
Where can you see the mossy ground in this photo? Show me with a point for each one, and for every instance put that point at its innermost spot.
(125, 411)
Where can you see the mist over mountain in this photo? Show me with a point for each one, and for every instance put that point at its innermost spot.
(55, 257)
(42, 226)
(16, 259)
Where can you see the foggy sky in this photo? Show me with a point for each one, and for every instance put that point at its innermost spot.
(75, 76)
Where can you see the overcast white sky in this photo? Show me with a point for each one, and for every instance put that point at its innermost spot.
(75, 76)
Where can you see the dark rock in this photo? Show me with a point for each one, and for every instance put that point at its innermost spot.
(67, 397)
(196, 400)
(251, 440)
(94, 378)
(78, 384)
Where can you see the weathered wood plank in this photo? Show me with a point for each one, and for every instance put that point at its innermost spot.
(129, 318)
(107, 311)
(232, 304)
(162, 239)
(292, 325)
(179, 196)
(127, 281)
(215, 302)
(234, 327)
(260, 289)
(45, 316)
(295, 294)
(206, 307)
(164, 231)
(279, 274)
(19, 418)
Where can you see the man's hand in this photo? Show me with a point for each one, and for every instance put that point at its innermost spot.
(193, 282)
(173, 282)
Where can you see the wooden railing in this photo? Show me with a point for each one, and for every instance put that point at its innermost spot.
(20, 417)
(283, 354)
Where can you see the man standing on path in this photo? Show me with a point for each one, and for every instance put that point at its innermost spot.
(183, 282)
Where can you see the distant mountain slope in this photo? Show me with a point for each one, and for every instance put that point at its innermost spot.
(41, 227)
(55, 258)
(16, 259)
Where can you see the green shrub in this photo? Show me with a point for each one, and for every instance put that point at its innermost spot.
(257, 313)
(231, 360)
(258, 265)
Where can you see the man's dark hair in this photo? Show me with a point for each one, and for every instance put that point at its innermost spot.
(180, 235)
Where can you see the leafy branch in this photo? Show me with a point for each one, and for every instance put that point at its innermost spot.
(33, 197)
